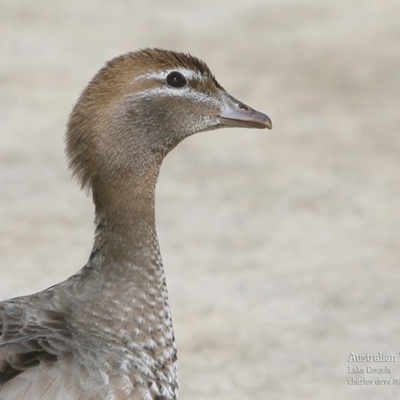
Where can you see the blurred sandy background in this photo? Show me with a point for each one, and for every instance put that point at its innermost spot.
(282, 248)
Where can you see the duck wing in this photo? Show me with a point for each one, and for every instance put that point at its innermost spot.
(38, 356)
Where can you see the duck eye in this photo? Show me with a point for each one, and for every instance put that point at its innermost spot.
(176, 79)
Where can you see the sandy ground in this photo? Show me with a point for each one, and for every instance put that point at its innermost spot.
(282, 248)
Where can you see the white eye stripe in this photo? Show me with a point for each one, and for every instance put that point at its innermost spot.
(163, 90)
(161, 75)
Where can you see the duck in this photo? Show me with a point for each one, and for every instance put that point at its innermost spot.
(106, 332)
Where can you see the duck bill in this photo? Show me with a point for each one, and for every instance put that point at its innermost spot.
(236, 113)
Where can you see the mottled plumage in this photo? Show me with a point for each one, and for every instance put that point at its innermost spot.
(106, 332)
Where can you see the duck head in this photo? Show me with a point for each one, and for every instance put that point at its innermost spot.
(141, 105)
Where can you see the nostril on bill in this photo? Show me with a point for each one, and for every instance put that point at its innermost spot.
(243, 107)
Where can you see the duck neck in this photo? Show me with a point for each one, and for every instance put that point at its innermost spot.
(125, 236)
(125, 264)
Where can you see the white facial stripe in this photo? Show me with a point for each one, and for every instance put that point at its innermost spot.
(161, 75)
(185, 93)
